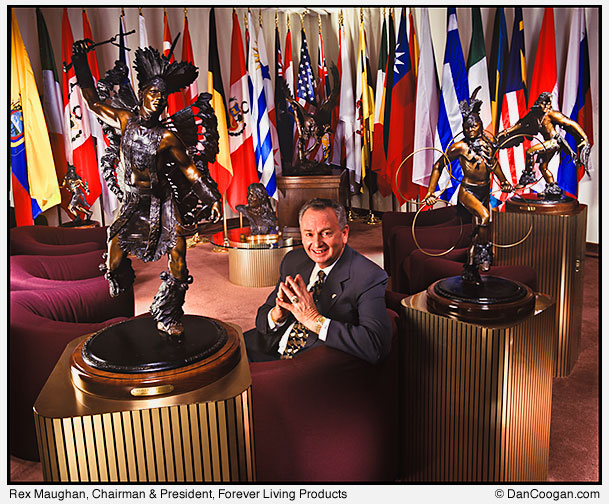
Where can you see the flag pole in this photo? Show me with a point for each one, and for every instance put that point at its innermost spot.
(225, 242)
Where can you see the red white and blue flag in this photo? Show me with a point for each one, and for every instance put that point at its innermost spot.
(513, 108)
(576, 103)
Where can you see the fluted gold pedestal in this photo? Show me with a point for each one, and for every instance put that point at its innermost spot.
(255, 267)
(253, 260)
(476, 399)
(556, 249)
(204, 435)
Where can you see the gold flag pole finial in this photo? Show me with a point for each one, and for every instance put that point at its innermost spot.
(288, 21)
(340, 18)
(245, 23)
(319, 21)
(361, 15)
(260, 18)
(302, 22)
(276, 19)
(164, 11)
(139, 11)
(185, 11)
(123, 11)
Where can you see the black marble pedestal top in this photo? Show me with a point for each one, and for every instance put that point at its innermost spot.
(494, 290)
(136, 346)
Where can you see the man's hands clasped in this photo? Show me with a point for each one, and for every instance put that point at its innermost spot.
(294, 297)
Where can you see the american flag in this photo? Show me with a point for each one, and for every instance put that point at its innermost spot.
(304, 87)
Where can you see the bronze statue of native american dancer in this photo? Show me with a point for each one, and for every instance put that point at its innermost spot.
(158, 169)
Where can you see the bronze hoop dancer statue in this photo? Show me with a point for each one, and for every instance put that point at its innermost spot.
(476, 153)
(542, 119)
(158, 168)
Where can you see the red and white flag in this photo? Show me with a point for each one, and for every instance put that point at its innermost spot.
(80, 151)
(344, 139)
(191, 92)
(239, 124)
(175, 101)
(109, 200)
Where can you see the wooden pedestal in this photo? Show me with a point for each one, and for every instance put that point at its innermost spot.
(556, 249)
(295, 191)
(154, 434)
(477, 399)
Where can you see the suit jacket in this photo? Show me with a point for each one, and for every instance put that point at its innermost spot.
(353, 297)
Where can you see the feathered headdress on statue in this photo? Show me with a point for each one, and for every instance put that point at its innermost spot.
(471, 109)
(155, 68)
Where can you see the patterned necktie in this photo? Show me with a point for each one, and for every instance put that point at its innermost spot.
(297, 338)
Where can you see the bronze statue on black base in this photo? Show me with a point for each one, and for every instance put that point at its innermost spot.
(157, 168)
(542, 119)
(476, 154)
(472, 297)
(314, 130)
(78, 203)
(258, 211)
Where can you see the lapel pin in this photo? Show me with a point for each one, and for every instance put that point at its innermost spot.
(333, 296)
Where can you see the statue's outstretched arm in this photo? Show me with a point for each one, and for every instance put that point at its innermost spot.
(114, 117)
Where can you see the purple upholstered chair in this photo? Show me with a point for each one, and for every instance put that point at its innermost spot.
(29, 272)
(50, 240)
(397, 220)
(402, 245)
(326, 416)
(42, 322)
(424, 270)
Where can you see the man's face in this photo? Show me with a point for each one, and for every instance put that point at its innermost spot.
(322, 237)
(472, 129)
(153, 100)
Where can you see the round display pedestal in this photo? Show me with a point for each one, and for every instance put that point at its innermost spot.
(496, 301)
(133, 359)
(533, 202)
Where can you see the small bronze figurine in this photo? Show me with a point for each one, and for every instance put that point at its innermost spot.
(158, 170)
(78, 187)
(258, 211)
(316, 127)
(476, 153)
(542, 119)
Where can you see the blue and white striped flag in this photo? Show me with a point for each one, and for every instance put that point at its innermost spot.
(450, 123)
(261, 132)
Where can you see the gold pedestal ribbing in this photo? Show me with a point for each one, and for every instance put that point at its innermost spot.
(477, 399)
(556, 249)
(202, 435)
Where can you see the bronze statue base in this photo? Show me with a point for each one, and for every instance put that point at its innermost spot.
(132, 358)
(307, 168)
(496, 301)
(538, 203)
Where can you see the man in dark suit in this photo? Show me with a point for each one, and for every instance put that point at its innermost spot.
(343, 308)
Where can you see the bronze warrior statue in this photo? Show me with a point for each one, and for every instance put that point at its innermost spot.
(78, 187)
(315, 126)
(476, 154)
(258, 211)
(542, 119)
(158, 169)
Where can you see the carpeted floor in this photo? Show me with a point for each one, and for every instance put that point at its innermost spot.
(574, 439)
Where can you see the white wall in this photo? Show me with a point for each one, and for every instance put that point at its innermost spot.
(105, 21)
